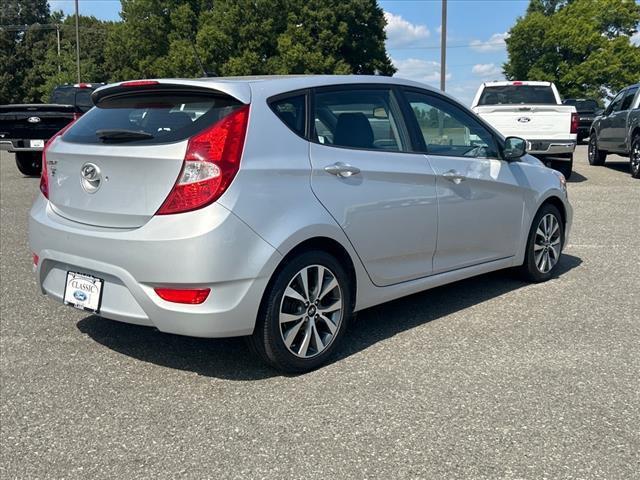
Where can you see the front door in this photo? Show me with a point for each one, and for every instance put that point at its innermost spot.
(480, 202)
(382, 196)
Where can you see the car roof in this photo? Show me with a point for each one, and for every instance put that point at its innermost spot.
(242, 88)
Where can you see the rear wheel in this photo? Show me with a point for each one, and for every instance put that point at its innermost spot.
(634, 157)
(29, 163)
(304, 313)
(596, 157)
(544, 245)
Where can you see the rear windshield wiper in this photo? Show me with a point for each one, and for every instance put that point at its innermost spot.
(122, 135)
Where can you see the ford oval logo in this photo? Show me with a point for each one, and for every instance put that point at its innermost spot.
(524, 119)
(90, 177)
(80, 296)
(34, 120)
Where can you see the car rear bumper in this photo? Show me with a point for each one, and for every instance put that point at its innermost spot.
(208, 248)
(551, 147)
(18, 146)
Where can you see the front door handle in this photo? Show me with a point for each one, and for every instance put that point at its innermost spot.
(341, 169)
(454, 176)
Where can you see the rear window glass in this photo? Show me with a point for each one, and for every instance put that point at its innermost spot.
(150, 118)
(292, 112)
(517, 94)
(582, 105)
(63, 96)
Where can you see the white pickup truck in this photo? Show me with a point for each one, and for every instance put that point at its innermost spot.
(533, 111)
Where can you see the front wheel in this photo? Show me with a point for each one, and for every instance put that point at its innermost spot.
(29, 163)
(596, 157)
(544, 245)
(304, 313)
(634, 157)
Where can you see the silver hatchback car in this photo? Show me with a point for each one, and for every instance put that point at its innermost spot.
(275, 207)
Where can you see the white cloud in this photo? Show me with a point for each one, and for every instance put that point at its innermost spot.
(401, 33)
(426, 71)
(635, 38)
(486, 70)
(495, 43)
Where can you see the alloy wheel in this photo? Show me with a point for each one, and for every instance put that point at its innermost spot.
(311, 311)
(592, 152)
(635, 158)
(546, 247)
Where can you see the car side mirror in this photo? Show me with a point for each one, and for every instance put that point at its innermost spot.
(599, 112)
(514, 148)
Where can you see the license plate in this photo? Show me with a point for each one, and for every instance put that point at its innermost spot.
(36, 143)
(83, 291)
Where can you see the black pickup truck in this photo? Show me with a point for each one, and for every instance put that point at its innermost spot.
(587, 110)
(24, 129)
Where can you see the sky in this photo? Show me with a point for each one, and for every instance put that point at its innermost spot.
(475, 37)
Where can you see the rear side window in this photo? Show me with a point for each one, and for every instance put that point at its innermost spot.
(517, 94)
(354, 118)
(292, 112)
(149, 118)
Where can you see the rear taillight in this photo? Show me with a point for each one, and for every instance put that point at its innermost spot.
(575, 121)
(36, 259)
(44, 176)
(210, 164)
(193, 296)
(139, 83)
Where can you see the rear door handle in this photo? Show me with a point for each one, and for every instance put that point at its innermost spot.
(341, 169)
(454, 176)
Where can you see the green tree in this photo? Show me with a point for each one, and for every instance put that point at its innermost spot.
(57, 69)
(159, 38)
(581, 45)
(20, 48)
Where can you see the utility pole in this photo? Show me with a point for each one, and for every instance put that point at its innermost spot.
(58, 36)
(77, 43)
(443, 46)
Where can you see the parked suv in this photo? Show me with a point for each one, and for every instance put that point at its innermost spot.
(276, 207)
(617, 130)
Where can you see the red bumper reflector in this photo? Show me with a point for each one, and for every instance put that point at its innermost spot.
(36, 259)
(193, 296)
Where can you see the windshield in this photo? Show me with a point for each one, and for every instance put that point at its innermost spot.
(150, 118)
(517, 95)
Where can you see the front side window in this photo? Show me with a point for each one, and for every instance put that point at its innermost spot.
(616, 103)
(357, 118)
(449, 130)
(292, 112)
(628, 98)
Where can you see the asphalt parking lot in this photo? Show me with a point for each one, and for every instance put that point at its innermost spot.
(485, 378)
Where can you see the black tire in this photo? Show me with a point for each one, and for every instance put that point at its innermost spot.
(564, 166)
(268, 338)
(29, 163)
(530, 269)
(634, 157)
(596, 156)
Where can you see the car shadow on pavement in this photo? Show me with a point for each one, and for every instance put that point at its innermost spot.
(619, 165)
(231, 359)
(576, 178)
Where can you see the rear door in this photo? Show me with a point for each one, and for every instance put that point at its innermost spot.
(381, 195)
(480, 202)
(133, 143)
